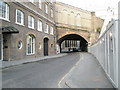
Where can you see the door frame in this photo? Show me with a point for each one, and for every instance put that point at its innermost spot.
(1, 46)
(44, 50)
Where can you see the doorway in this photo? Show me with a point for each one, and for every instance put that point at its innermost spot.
(1, 47)
(46, 40)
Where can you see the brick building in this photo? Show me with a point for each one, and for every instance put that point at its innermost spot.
(27, 29)
(75, 27)
(70, 19)
(31, 28)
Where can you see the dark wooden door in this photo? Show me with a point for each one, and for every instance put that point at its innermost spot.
(46, 46)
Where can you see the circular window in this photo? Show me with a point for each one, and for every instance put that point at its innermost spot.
(19, 44)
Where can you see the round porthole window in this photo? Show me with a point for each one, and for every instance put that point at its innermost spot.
(20, 44)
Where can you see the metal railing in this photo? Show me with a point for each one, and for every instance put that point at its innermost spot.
(105, 49)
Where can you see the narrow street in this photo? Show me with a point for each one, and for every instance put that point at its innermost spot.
(41, 74)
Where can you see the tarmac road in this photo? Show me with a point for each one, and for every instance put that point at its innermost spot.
(41, 74)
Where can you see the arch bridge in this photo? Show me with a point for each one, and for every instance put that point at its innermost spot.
(72, 43)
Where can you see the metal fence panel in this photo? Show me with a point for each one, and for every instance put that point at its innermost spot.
(106, 51)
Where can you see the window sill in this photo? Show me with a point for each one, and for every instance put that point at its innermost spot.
(52, 17)
(20, 24)
(46, 33)
(46, 13)
(5, 19)
(40, 8)
(31, 28)
(39, 31)
(52, 34)
(30, 54)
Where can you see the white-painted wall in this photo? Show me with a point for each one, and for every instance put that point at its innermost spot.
(107, 51)
(119, 47)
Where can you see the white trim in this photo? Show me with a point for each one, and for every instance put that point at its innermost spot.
(46, 28)
(37, 12)
(40, 4)
(51, 30)
(21, 45)
(5, 19)
(117, 51)
(40, 23)
(32, 1)
(6, 13)
(19, 24)
(51, 13)
(46, 8)
(33, 22)
(22, 17)
(32, 43)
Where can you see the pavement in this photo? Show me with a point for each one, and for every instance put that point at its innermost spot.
(87, 73)
(6, 64)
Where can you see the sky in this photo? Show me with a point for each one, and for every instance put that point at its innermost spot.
(99, 6)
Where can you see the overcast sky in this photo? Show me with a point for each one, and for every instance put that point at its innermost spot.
(99, 6)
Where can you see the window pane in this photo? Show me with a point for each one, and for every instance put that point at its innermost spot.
(46, 8)
(39, 25)
(4, 10)
(51, 13)
(40, 4)
(19, 17)
(30, 22)
(30, 44)
(46, 28)
(51, 31)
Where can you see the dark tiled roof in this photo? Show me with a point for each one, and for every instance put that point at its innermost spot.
(9, 29)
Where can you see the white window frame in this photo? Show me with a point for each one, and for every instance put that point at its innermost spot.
(52, 14)
(32, 21)
(40, 25)
(6, 12)
(20, 44)
(32, 1)
(22, 17)
(32, 43)
(46, 28)
(40, 4)
(51, 30)
(46, 8)
(51, 1)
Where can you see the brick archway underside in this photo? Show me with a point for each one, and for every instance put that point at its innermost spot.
(85, 34)
(84, 42)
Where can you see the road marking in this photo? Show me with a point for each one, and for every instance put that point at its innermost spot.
(69, 72)
(79, 60)
(65, 77)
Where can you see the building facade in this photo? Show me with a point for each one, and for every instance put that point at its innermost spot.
(32, 28)
(75, 27)
(73, 20)
(27, 29)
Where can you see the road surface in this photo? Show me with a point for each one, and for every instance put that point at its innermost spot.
(41, 74)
